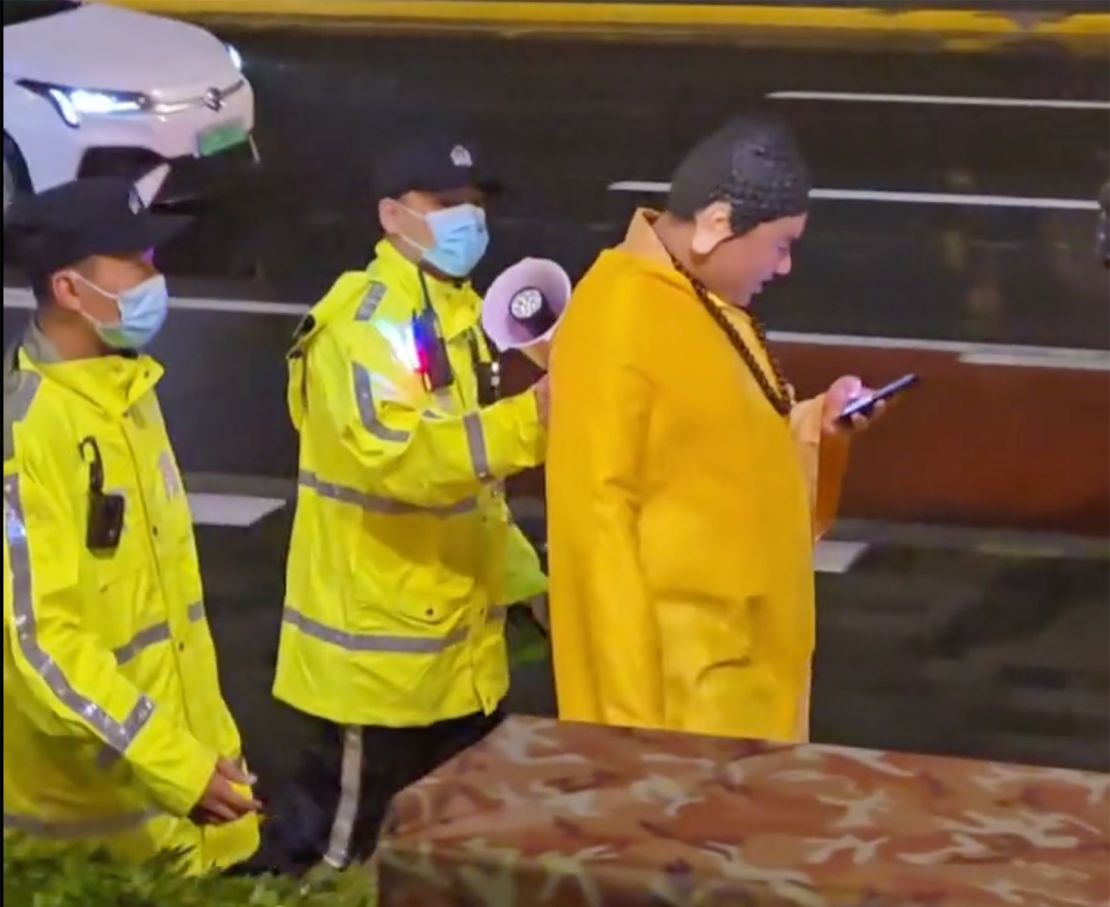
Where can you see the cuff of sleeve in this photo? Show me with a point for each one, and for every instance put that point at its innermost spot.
(514, 435)
(524, 578)
(807, 420)
(174, 766)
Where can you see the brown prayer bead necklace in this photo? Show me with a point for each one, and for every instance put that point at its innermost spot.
(779, 396)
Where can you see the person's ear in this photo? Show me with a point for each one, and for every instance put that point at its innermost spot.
(389, 212)
(712, 226)
(64, 291)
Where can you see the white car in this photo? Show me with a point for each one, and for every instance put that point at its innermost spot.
(96, 90)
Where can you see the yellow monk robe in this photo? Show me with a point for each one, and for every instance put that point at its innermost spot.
(682, 512)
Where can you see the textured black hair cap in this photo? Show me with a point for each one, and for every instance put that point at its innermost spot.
(754, 164)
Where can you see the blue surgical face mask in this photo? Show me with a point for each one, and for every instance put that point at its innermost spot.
(459, 239)
(142, 312)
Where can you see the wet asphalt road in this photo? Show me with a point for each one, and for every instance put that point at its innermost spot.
(563, 119)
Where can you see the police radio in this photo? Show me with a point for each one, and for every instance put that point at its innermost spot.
(487, 370)
(433, 362)
(431, 351)
(106, 511)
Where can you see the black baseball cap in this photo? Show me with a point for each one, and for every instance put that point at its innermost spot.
(435, 160)
(59, 227)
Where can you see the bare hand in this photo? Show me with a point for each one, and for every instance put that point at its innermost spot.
(221, 801)
(542, 390)
(842, 392)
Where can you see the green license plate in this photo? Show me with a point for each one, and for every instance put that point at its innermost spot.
(220, 138)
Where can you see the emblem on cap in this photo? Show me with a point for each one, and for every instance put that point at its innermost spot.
(214, 99)
(460, 156)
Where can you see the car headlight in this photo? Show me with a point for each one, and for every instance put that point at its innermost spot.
(236, 57)
(74, 103)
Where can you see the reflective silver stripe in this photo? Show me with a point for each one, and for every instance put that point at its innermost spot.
(366, 410)
(136, 720)
(118, 735)
(370, 302)
(373, 642)
(85, 828)
(476, 441)
(20, 389)
(153, 635)
(144, 638)
(23, 395)
(375, 504)
(350, 784)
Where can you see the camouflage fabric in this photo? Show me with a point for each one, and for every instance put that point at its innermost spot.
(544, 813)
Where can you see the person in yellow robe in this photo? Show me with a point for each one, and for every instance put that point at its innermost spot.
(686, 487)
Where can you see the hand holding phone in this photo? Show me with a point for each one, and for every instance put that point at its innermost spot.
(865, 406)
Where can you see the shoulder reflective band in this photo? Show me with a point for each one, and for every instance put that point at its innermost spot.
(20, 389)
(116, 734)
(370, 302)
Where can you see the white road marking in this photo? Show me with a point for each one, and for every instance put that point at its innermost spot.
(837, 557)
(235, 510)
(946, 537)
(970, 353)
(21, 298)
(18, 298)
(243, 307)
(1095, 362)
(955, 198)
(997, 354)
(854, 97)
(649, 187)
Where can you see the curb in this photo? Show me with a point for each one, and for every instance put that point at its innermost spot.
(653, 15)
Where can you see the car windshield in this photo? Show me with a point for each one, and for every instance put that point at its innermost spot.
(17, 11)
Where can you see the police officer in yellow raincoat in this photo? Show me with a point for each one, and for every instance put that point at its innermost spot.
(685, 483)
(403, 556)
(115, 730)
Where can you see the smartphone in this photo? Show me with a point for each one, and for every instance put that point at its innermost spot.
(864, 405)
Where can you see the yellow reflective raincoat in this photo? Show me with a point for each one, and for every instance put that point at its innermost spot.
(403, 555)
(113, 716)
(682, 513)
